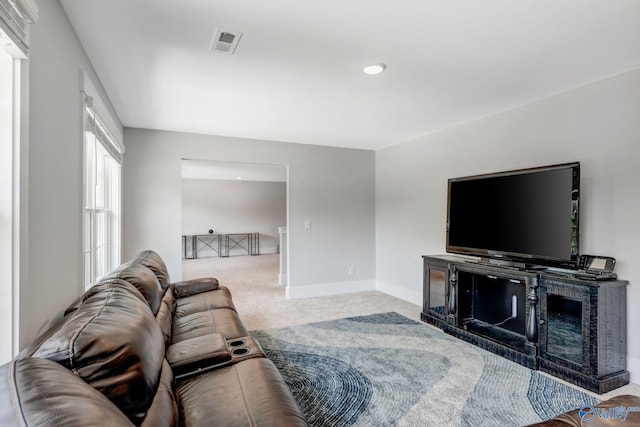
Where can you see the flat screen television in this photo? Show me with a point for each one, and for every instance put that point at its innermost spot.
(528, 216)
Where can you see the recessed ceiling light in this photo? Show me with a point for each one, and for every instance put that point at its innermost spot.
(239, 178)
(374, 68)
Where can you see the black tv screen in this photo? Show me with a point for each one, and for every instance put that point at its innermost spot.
(529, 214)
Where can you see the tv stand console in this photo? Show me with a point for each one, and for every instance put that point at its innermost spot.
(572, 328)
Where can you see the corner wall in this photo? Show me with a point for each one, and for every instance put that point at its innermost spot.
(331, 187)
(597, 125)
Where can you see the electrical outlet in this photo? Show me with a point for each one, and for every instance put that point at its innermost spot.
(351, 271)
(307, 224)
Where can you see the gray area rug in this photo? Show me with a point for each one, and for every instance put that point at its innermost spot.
(387, 370)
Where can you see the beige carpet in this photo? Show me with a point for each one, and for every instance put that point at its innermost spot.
(261, 301)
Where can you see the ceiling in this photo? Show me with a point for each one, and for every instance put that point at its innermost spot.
(296, 74)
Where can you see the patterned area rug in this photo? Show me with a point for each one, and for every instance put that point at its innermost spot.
(387, 370)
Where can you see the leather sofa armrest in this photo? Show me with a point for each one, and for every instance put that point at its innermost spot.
(187, 288)
(194, 354)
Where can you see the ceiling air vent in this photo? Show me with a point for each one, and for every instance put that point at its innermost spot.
(225, 41)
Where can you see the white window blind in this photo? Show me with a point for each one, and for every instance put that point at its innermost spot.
(15, 18)
(94, 123)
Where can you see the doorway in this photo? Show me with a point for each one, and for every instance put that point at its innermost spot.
(232, 214)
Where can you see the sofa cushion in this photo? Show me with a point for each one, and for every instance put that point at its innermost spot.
(154, 262)
(106, 284)
(41, 393)
(211, 300)
(249, 393)
(165, 316)
(224, 321)
(163, 411)
(143, 279)
(61, 317)
(187, 288)
(112, 341)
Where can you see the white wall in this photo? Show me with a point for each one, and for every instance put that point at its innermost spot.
(54, 180)
(235, 207)
(332, 187)
(597, 125)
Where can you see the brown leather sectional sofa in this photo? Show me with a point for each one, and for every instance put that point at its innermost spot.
(136, 349)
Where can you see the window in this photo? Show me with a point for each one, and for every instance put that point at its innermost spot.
(15, 18)
(6, 206)
(102, 195)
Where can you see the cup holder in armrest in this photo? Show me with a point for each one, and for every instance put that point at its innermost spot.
(244, 348)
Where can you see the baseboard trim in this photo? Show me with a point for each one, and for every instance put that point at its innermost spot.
(409, 295)
(633, 366)
(325, 289)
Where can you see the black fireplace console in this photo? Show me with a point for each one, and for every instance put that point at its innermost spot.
(572, 328)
